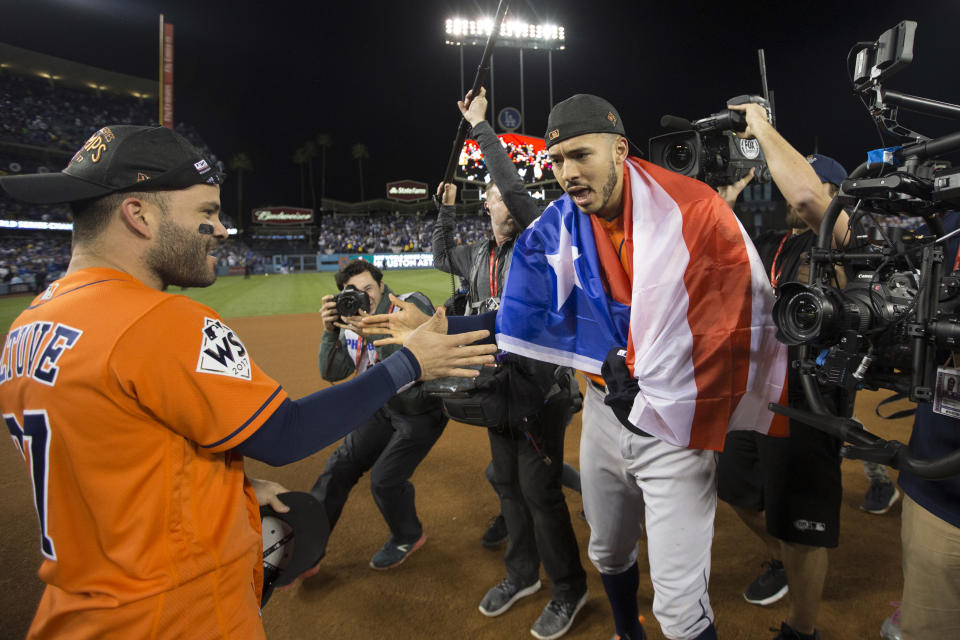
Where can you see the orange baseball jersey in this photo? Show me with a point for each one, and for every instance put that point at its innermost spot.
(126, 402)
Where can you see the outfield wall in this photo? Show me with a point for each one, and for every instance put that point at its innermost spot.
(336, 261)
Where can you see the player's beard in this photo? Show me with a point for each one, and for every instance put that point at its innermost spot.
(179, 257)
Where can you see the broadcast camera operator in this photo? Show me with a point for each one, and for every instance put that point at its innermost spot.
(391, 443)
(930, 519)
(794, 481)
(528, 460)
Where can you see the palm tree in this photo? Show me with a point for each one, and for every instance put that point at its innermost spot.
(324, 142)
(360, 154)
(240, 163)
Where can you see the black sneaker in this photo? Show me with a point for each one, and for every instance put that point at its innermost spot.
(770, 586)
(496, 533)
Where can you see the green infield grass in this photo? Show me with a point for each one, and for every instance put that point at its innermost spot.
(275, 294)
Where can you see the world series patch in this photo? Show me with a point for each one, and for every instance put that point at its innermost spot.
(221, 352)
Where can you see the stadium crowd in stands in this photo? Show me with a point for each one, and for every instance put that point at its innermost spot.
(33, 257)
(54, 121)
(391, 234)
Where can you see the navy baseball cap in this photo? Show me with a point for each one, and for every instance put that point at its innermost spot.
(579, 115)
(119, 158)
(827, 169)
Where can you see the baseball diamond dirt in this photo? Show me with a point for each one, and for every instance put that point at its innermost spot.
(436, 592)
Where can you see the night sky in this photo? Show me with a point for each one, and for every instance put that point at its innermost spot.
(263, 77)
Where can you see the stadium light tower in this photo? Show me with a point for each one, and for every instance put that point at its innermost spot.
(513, 33)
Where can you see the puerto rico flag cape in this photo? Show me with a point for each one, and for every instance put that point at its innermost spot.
(698, 328)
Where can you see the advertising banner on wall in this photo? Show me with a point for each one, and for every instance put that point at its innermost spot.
(282, 215)
(407, 190)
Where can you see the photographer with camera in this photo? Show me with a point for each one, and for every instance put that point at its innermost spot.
(527, 444)
(397, 437)
(788, 490)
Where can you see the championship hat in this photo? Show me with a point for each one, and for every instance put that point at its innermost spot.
(827, 169)
(579, 115)
(119, 158)
(293, 542)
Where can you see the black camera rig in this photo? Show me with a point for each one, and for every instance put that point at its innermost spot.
(902, 303)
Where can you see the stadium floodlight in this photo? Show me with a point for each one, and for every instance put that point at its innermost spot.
(513, 33)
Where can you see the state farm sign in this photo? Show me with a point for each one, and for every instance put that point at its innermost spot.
(283, 215)
(407, 190)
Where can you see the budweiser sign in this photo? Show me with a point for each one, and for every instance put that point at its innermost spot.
(283, 215)
(407, 190)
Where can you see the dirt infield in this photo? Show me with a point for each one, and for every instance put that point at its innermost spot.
(436, 592)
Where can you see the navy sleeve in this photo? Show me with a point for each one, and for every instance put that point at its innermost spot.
(300, 428)
(463, 324)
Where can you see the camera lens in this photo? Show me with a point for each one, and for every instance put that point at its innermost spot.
(805, 313)
(679, 157)
(799, 313)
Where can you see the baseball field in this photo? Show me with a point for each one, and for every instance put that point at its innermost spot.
(435, 593)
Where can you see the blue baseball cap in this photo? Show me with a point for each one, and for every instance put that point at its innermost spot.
(827, 169)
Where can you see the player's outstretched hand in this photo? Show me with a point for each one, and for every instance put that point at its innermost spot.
(441, 355)
(399, 324)
(267, 492)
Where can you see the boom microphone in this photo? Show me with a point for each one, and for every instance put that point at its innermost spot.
(676, 123)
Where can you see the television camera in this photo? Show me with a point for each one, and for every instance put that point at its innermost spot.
(708, 150)
(900, 312)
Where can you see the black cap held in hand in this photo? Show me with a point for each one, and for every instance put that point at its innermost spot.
(622, 387)
(579, 115)
(119, 158)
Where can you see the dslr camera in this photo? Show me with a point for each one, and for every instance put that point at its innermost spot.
(708, 150)
(351, 301)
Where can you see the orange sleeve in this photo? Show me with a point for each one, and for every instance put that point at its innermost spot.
(192, 372)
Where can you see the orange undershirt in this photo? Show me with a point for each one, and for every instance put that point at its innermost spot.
(616, 253)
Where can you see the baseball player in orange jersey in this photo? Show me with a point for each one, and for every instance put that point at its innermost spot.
(134, 408)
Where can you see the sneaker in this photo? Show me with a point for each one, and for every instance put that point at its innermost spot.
(392, 554)
(890, 629)
(502, 596)
(557, 617)
(880, 497)
(496, 533)
(770, 586)
(789, 633)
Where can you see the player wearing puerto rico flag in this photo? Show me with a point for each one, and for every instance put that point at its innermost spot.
(655, 283)
(134, 408)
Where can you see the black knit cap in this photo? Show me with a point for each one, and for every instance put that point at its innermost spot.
(581, 114)
(119, 158)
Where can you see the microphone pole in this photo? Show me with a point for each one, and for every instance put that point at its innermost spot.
(478, 81)
(464, 127)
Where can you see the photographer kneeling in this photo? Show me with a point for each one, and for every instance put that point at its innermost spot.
(397, 437)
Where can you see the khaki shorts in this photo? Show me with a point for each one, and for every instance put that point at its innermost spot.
(931, 575)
